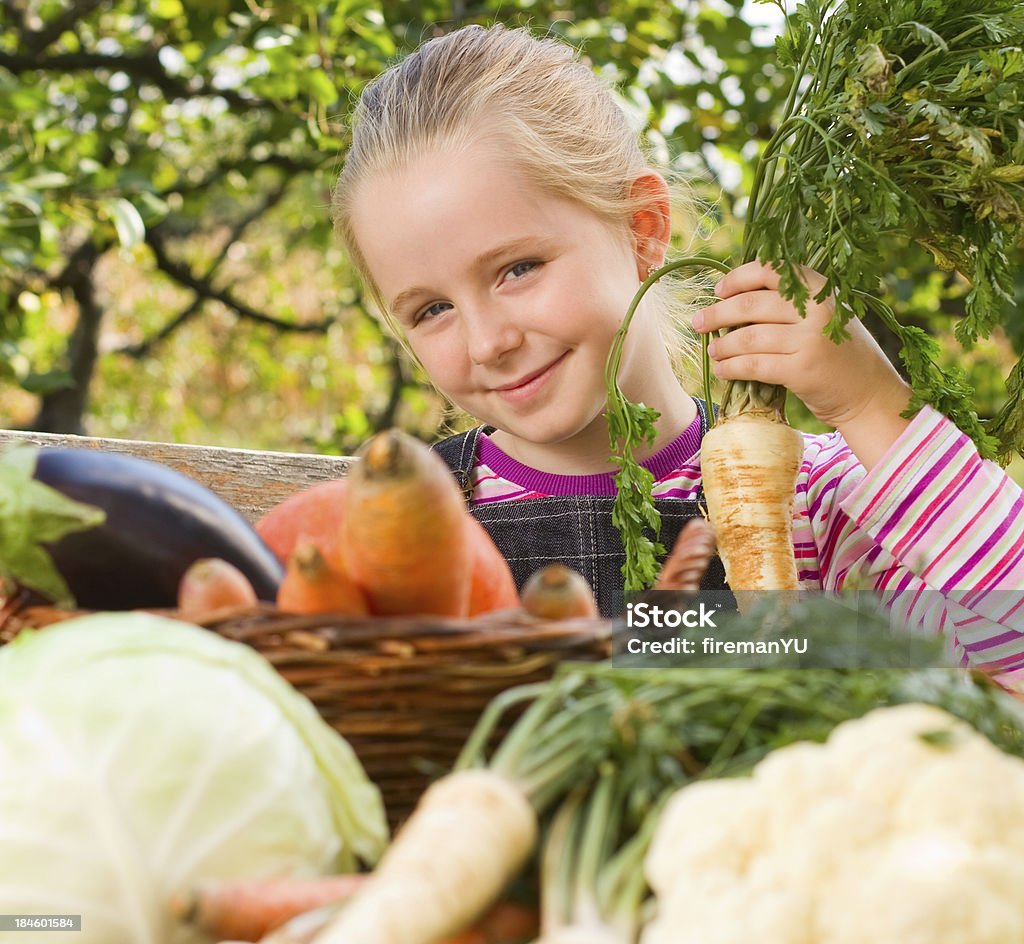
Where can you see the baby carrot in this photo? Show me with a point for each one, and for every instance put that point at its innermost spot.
(506, 923)
(247, 910)
(558, 592)
(688, 560)
(210, 584)
(312, 585)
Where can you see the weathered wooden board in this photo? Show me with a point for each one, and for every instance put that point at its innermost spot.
(250, 480)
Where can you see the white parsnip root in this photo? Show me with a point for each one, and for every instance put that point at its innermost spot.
(749, 464)
(468, 837)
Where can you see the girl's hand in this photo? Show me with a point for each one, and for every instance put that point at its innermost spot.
(851, 385)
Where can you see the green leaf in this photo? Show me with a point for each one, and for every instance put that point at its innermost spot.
(127, 221)
(928, 36)
(321, 87)
(32, 515)
(167, 9)
(152, 209)
(46, 382)
(46, 181)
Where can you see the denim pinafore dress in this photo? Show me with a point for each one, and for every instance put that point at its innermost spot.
(575, 530)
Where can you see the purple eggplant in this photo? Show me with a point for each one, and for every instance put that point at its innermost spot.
(158, 523)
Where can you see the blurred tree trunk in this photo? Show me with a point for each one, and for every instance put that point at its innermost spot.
(63, 410)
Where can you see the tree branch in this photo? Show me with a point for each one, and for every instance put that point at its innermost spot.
(145, 346)
(16, 14)
(205, 290)
(385, 419)
(283, 162)
(271, 200)
(146, 67)
(35, 41)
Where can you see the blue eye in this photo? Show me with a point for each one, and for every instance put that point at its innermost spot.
(431, 311)
(520, 269)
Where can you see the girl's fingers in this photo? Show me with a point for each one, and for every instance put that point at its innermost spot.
(747, 308)
(748, 277)
(752, 276)
(755, 339)
(765, 368)
(763, 352)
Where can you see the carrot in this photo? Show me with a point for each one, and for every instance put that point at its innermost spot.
(469, 835)
(506, 923)
(472, 936)
(558, 592)
(749, 463)
(246, 910)
(312, 585)
(509, 922)
(210, 584)
(403, 529)
(314, 513)
(688, 560)
(492, 586)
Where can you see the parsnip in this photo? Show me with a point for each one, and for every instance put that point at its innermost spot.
(749, 465)
(469, 835)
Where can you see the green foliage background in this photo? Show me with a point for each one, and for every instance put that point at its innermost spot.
(167, 270)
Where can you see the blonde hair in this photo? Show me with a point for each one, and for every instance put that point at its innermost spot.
(562, 125)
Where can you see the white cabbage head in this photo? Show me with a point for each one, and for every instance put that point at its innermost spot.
(140, 756)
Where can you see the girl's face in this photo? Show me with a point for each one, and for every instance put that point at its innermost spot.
(509, 296)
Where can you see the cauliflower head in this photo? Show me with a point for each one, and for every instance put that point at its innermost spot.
(905, 827)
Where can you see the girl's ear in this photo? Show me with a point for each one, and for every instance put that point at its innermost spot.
(651, 225)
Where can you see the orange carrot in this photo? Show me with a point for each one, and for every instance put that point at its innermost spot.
(749, 464)
(558, 592)
(314, 513)
(404, 534)
(492, 587)
(506, 923)
(312, 585)
(210, 584)
(509, 922)
(688, 560)
(472, 936)
(246, 910)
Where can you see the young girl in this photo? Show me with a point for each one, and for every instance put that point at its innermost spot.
(501, 213)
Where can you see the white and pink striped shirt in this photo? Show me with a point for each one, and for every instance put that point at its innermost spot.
(936, 531)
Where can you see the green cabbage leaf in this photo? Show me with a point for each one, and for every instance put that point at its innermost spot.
(140, 756)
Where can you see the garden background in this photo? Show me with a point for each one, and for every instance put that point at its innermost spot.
(167, 268)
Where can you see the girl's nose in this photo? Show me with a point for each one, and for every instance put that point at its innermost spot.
(490, 333)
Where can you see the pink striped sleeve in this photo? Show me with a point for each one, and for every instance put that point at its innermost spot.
(937, 531)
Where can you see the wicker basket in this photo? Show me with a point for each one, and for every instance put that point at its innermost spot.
(405, 693)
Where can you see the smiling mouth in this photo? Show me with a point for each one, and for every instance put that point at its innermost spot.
(529, 379)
